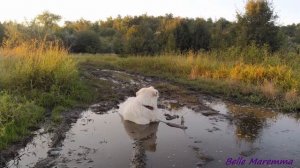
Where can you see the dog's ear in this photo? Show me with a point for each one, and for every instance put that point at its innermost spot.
(139, 92)
(155, 93)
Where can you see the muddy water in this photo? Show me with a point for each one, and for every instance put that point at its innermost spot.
(107, 141)
(216, 133)
(35, 150)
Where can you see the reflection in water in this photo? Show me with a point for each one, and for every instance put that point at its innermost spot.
(248, 127)
(144, 137)
(100, 140)
(250, 122)
(297, 116)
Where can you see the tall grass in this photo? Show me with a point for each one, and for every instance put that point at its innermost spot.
(35, 65)
(251, 74)
(34, 76)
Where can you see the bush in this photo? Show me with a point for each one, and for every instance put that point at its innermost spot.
(86, 42)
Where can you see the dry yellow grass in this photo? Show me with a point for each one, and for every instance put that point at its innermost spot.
(256, 81)
(291, 96)
(280, 75)
(38, 63)
(269, 90)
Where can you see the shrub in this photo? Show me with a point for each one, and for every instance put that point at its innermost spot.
(86, 42)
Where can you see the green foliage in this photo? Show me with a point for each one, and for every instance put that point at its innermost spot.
(149, 35)
(223, 34)
(56, 114)
(86, 41)
(140, 39)
(16, 33)
(1, 33)
(258, 25)
(16, 117)
(35, 76)
(183, 37)
(48, 20)
(200, 37)
(291, 34)
(118, 44)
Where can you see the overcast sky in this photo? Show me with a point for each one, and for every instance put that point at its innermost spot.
(19, 10)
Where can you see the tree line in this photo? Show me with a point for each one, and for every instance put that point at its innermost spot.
(149, 35)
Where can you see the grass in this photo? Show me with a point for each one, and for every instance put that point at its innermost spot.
(35, 77)
(268, 79)
(17, 117)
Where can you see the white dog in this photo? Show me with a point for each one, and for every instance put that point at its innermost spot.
(141, 109)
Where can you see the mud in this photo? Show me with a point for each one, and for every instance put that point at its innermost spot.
(217, 130)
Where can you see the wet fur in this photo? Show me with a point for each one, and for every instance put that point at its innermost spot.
(133, 109)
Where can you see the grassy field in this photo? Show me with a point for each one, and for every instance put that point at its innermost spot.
(268, 80)
(35, 78)
(38, 78)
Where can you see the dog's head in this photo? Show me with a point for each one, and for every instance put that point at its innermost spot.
(148, 96)
(150, 92)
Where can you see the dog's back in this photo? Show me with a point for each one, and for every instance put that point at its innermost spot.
(132, 110)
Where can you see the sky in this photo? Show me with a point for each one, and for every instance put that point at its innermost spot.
(93, 10)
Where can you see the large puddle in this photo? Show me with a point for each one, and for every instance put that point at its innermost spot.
(107, 141)
(104, 140)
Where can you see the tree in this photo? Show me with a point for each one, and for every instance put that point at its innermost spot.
(200, 36)
(1, 33)
(166, 31)
(79, 25)
(183, 36)
(257, 25)
(171, 43)
(118, 44)
(223, 34)
(140, 39)
(14, 33)
(48, 20)
(86, 41)
(297, 34)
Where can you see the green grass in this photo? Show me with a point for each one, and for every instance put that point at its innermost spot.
(36, 77)
(17, 117)
(56, 114)
(267, 79)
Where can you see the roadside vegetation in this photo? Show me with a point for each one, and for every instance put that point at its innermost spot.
(272, 82)
(36, 77)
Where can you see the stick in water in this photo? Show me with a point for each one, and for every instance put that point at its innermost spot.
(174, 125)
